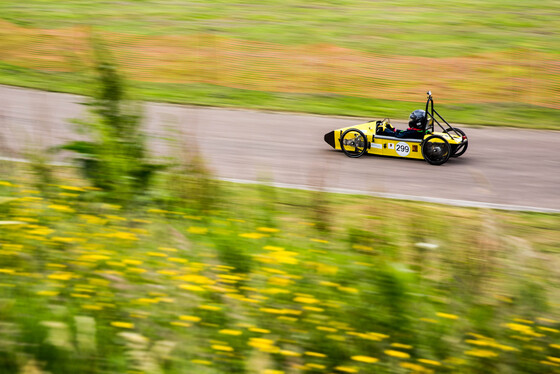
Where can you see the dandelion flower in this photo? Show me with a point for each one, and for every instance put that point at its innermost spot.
(411, 366)
(225, 348)
(447, 315)
(481, 353)
(429, 362)
(230, 332)
(366, 359)
(124, 325)
(315, 354)
(346, 369)
(397, 354)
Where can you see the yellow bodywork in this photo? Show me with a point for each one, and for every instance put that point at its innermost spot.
(392, 146)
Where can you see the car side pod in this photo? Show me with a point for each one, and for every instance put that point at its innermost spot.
(329, 138)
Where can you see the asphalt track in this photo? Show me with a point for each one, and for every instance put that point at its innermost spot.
(503, 168)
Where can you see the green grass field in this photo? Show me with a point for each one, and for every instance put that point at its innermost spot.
(269, 281)
(405, 27)
(494, 62)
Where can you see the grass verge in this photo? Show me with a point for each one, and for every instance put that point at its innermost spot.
(506, 114)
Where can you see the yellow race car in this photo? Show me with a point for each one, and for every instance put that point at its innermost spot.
(419, 141)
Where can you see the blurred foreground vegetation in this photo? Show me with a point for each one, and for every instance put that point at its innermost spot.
(252, 279)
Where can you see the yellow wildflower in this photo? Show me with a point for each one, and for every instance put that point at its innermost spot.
(123, 235)
(209, 307)
(136, 270)
(306, 300)
(230, 332)
(481, 353)
(180, 324)
(62, 208)
(262, 331)
(313, 309)
(201, 362)
(61, 276)
(72, 188)
(225, 348)
(264, 345)
(366, 359)
(197, 230)
(315, 354)
(92, 307)
(397, 354)
(286, 352)
(348, 289)
(346, 369)
(319, 240)
(525, 321)
(47, 293)
(253, 235)
(429, 362)
(447, 315)
(527, 330)
(327, 329)
(124, 325)
(190, 318)
(191, 287)
(156, 254)
(267, 229)
(413, 367)
(272, 248)
(429, 320)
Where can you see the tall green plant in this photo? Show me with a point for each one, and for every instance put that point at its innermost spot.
(114, 159)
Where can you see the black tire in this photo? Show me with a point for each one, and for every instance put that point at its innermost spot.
(436, 152)
(458, 150)
(353, 138)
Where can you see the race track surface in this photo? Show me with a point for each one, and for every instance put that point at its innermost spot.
(516, 168)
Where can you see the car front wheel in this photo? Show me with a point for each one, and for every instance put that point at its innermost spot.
(436, 150)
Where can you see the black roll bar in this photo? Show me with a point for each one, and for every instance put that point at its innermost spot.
(430, 118)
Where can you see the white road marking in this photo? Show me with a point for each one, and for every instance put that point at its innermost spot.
(435, 200)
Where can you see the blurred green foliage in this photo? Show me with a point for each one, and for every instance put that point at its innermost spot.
(256, 285)
(115, 159)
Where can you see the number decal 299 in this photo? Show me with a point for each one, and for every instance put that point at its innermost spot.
(402, 149)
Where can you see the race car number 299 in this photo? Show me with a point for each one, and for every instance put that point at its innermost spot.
(402, 149)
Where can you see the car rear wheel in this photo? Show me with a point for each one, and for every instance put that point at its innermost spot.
(436, 150)
(353, 143)
(458, 149)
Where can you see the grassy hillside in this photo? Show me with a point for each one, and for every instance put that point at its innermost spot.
(404, 27)
(494, 62)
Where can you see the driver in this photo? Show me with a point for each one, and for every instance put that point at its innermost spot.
(415, 126)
